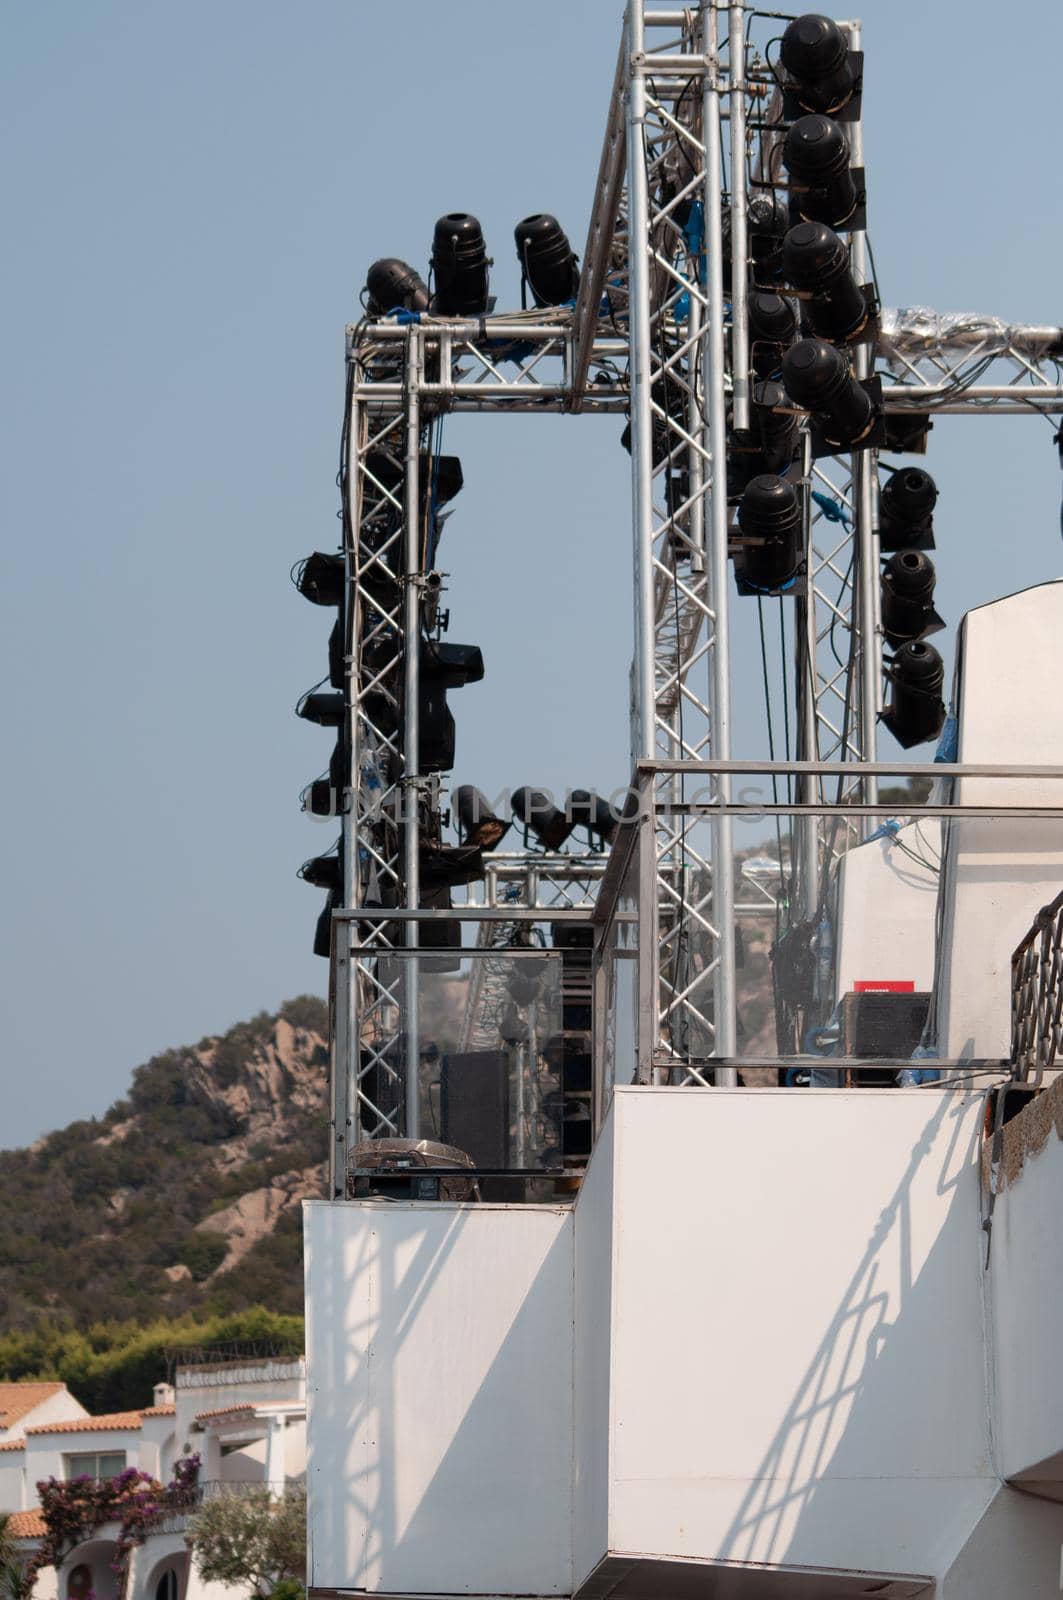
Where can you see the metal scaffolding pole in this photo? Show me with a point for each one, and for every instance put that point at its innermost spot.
(641, 387)
(714, 369)
(410, 819)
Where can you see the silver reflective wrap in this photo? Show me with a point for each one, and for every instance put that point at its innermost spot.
(913, 331)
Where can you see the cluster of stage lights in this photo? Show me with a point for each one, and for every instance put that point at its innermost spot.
(460, 277)
(536, 814)
(806, 311)
(461, 270)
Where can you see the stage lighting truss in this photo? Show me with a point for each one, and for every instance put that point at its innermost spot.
(694, 133)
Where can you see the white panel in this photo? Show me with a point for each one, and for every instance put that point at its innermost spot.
(998, 873)
(440, 1406)
(798, 1370)
(591, 1369)
(1026, 1276)
(887, 908)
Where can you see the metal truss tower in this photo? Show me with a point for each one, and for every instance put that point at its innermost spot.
(660, 332)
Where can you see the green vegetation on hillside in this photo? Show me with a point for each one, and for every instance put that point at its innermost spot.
(92, 1216)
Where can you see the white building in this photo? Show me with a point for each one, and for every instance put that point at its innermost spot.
(245, 1418)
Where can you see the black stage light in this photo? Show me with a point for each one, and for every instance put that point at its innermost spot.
(325, 796)
(437, 732)
(459, 263)
(525, 981)
(818, 378)
(443, 667)
(815, 53)
(535, 809)
(323, 930)
(320, 578)
(477, 823)
(770, 510)
(324, 872)
(908, 597)
(321, 706)
(916, 711)
(547, 260)
(454, 665)
(816, 153)
(906, 510)
(588, 810)
(336, 653)
(444, 934)
(772, 324)
(767, 446)
(441, 475)
(450, 865)
(766, 223)
(390, 284)
(816, 260)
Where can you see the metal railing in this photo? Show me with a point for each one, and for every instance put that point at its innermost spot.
(1037, 995)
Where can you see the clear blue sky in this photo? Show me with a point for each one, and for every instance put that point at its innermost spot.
(192, 195)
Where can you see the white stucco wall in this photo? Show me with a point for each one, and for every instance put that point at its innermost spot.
(797, 1367)
(58, 1407)
(440, 1406)
(13, 1481)
(999, 872)
(775, 1307)
(1026, 1278)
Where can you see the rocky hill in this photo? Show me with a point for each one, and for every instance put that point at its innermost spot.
(184, 1197)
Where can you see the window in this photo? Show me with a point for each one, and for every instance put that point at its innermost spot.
(98, 1464)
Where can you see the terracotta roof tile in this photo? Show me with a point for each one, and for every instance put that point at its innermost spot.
(26, 1525)
(12, 1444)
(159, 1411)
(224, 1411)
(18, 1398)
(113, 1421)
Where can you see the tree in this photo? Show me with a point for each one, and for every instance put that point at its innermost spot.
(252, 1539)
(16, 1578)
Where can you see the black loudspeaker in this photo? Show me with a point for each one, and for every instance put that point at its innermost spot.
(882, 1025)
(474, 1094)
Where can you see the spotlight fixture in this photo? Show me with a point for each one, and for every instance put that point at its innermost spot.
(906, 510)
(547, 260)
(916, 711)
(391, 284)
(321, 706)
(816, 153)
(588, 810)
(325, 796)
(323, 929)
(770, 511)
(539, 815)
(450, 865)
(766, 222)
(443, 667)
(525, 981)
(818, 378)
(772, 325)
(476, 822)
(767, 445)
(460, 266)
(324, 872)
(816, 260)
(822, 72)
(320, 578)
(336, 652)
(908, 597)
